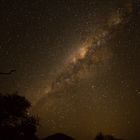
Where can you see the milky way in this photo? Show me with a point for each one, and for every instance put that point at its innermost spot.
(82, 59)
(76, 61)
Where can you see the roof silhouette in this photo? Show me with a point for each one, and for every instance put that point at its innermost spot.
(58, 136)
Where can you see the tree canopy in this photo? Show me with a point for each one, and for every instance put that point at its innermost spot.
(15, 120)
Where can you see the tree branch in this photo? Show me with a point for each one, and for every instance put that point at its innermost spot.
(8, 73)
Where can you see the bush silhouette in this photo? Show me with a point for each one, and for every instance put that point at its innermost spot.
(15, 121)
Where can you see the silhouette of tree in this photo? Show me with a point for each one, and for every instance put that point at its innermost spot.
(100, 136)
(15, 120)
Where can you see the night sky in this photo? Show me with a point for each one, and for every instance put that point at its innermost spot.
(77, 61)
